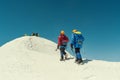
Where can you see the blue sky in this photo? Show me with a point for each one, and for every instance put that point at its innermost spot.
(98, 20)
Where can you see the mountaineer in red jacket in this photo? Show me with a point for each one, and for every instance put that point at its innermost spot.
(62, 44)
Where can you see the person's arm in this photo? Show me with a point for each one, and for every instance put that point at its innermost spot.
(58, 43)
(72, 41)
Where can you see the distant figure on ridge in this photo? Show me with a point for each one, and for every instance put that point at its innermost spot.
(35, 34)
(76, 43)
(62, 44)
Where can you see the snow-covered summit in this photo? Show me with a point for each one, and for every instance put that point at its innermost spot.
(32, 43)
(27, 58)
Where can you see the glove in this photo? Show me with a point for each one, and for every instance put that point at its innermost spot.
(57, 47)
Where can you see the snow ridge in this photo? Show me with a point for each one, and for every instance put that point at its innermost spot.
(31, 43)
(34, 58)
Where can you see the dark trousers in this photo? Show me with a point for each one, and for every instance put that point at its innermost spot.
(78, 55)
(62, 52)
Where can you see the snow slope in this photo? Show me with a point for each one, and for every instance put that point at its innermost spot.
(32, 43)
(34, 58)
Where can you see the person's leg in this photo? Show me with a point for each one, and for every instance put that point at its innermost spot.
(64, 53)
(78, 55)
(61, 53)
(76, 50)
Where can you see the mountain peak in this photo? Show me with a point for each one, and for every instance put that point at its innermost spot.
(24, 59)
(33, 43)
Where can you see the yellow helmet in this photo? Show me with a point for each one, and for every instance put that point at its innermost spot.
(74, 30)
(62, 32)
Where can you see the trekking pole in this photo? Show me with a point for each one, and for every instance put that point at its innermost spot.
(83, 51)
(73, 52)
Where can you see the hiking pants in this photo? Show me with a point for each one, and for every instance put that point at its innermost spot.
(62, 52)
(78, 55)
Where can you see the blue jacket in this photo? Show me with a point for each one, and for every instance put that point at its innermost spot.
(77, 39)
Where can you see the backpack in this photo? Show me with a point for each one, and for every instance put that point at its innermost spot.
(78, 39)
(63, 40)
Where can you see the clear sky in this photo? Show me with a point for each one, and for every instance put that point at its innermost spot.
(98, 20)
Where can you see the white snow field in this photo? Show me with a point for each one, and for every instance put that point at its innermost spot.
(35, 58)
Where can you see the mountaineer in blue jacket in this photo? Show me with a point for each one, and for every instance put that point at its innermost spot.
(76, 43)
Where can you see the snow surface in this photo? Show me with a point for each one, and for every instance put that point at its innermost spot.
(35, 58)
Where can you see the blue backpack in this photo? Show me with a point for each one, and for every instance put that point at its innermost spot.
(78, 40)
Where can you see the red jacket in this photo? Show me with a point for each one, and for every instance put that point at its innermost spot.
(62, 38)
